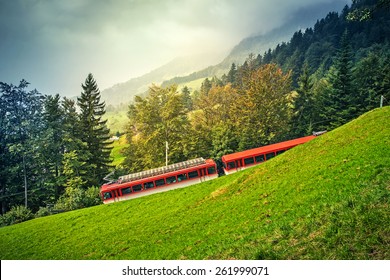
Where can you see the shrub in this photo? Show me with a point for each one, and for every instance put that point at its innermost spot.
(92, 197)
(17, 214)
(42, 212)
(72, 199)
(76, 198)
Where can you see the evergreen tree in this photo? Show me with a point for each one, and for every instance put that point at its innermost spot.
(304, 107)
(231, 76)
(71, 125)
(205, 87)
(94, 132)
(53, 148)
(341, 98)
(372, 79)
(187, 98)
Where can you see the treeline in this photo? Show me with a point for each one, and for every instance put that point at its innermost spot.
(54, 152)
(322, 78)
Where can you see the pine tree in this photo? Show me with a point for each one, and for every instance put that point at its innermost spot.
(94, 132)
(231, 76)
(53, 149)
(187, 100)
(340, 102)
(302, 119)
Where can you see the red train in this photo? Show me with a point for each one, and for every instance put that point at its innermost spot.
(161, 179)
(242, 160)
(191, 172)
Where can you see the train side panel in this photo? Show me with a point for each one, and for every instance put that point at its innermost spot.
(160, 183)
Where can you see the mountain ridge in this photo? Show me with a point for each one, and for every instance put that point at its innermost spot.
(171, 73)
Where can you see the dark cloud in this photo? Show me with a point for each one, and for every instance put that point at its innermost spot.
(55, 44)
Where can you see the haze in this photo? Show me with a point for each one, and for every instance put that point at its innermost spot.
(55, 44)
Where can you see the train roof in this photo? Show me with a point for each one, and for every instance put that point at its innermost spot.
(266, 149)
(164, 169)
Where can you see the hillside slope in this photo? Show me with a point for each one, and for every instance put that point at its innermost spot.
(184, 70)
(125, 92)
(326, 199)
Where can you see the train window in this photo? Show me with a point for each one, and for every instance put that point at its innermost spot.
(171, 180)
(269, 155)
(160, 182)
(211, 170)
(137, 188)
(193, 174)
(126, 190)
(107, 195)
(249, 161)
(181, 177)
(280, 152)
(148, 185)
(231, 165)
(259, 158)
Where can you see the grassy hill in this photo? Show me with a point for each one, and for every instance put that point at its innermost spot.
(326, 199)
(116, 121)
(117, 150)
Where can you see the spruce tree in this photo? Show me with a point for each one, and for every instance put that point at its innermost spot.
(341, 98)
(302, 119)
(231, 77)
(94, 132)
(53, 150)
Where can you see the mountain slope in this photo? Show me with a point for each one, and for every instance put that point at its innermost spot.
(188, 69)
(326, 199)
(260, 43)
(125, 92)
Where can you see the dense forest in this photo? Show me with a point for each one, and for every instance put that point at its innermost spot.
(55, 152)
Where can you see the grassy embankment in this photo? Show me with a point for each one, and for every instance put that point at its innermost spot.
(326, 199)
(117, 150)
(116, 122)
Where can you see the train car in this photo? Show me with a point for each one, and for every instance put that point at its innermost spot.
(161, 179)
(245, 159)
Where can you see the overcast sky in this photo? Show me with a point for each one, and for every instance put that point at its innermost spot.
(54, 44)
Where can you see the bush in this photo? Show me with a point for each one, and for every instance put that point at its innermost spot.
(16, 215)
(92, 197)
(72, 199)
(76, 198)
(42, 212)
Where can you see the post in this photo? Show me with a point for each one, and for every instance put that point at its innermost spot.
(381, 105)
(166, 153)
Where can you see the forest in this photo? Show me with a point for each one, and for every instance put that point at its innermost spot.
(55, 152)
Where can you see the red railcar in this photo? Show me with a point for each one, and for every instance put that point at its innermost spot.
(161, 179)
(241, 160)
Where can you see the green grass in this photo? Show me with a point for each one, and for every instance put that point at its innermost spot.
(193, 85)
(117, 150)
(326, 199)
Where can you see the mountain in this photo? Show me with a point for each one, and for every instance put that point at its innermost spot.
(124, 92)
(326, 199)
(187, 69)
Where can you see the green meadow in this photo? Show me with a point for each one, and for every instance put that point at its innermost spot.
(118, 147)
(326, 199)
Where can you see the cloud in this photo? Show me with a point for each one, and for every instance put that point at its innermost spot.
(55, 44)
